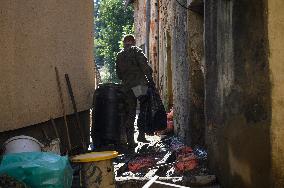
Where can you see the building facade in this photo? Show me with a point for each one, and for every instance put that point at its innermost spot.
(220, 65)
(37, 36)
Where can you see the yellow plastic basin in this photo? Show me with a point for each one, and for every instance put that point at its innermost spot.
(94, 156)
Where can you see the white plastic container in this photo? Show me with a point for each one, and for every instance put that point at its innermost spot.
(19, 144)
(139, 90)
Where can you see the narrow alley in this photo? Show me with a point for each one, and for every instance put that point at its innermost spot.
(142, 93)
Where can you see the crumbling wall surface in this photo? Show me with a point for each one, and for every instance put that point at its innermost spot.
(140, 22)
(36, 36)
(238, 98)
(276, 63)
(174, 62)
(153, 40)
(196, 53)
(180, 68)
(165, 51)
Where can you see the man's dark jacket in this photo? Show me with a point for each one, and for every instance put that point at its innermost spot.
(132, 66)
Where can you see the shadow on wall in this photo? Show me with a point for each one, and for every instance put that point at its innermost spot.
(238, 92)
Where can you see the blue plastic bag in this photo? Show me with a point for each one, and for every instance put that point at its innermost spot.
(38, 169)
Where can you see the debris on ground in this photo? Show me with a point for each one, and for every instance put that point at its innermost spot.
(140, 163)
(186, 160)
(169, 158)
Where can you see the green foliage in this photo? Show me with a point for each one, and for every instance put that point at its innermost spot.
(127, 29)
(105, 74)
(112, 22)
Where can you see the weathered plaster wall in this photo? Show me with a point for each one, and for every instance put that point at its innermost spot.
(153, 40)
(180, 68)
(238, 100)
(35, 37)
(196, 90)
(140, 25)
(160, 33)
(170, 59)
(276, 63)
(174, 63)
(243, 84)
(140, 22)
(166, 18)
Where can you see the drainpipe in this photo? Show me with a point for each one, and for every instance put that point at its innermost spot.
(148, 19)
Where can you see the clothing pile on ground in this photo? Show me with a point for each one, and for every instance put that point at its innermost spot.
(186, 159)
(183, 158)
(141, 162)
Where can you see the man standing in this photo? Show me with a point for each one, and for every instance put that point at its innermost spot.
(132, 68)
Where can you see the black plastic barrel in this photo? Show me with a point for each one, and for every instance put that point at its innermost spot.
(108, 106)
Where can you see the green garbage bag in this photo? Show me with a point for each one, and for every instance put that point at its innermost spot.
(38, 169)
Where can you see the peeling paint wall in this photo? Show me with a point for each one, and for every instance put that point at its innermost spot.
(176, 44)
(140, 22)
(196, 56)
(160, 41)
(165, 52)
(180, 67)
(144, 35)
(168, 56)
(238, 92)
(153, 42)
(239, 80)
(35, 37)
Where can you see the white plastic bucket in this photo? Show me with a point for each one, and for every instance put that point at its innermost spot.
(19, 144)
